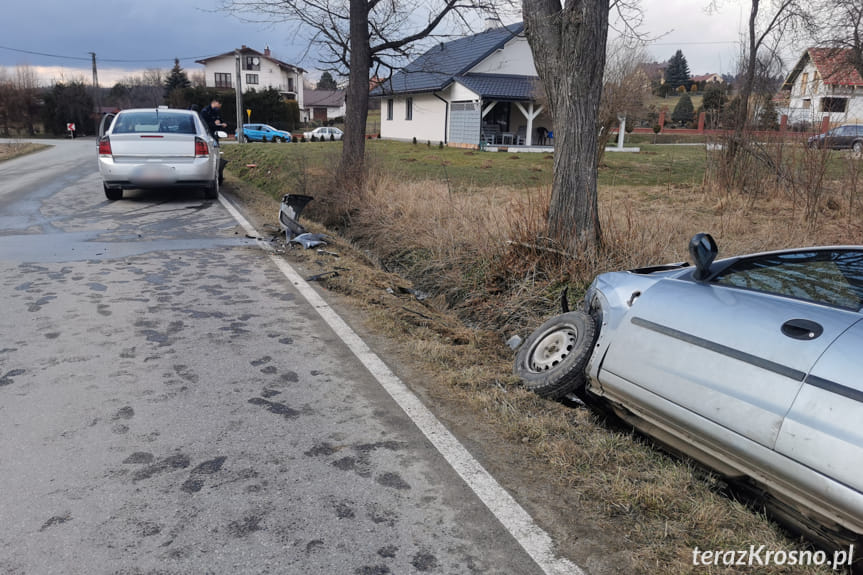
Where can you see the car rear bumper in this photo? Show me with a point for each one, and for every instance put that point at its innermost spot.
(196, 173)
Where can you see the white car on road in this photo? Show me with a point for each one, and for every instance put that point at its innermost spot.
(157, 148)
(324, 133)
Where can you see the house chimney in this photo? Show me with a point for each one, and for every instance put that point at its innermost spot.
(243, 47)
(267, 50)
(492, 23)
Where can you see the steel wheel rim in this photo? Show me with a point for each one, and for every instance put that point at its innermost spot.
(552, 349)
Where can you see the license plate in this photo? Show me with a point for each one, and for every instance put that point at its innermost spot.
(153, 174)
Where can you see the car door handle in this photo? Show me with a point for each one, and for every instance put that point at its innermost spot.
(802, 329)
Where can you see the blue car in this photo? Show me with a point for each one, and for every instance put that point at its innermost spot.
(264, 133)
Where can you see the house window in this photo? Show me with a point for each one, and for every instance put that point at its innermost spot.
(499, 116)
(390, 109)
(290, 84)
(834, 105)
(409, 108)
(223, 80)
(807, 104)
(249, 63)
(251, 79)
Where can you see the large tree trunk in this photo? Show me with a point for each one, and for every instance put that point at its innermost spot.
(568, 45)
(357, 101)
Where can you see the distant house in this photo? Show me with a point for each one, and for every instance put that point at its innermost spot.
(655, 71)
(708, 79)
(482, 89)
(322, 105)
(259, 71)
(823, 84)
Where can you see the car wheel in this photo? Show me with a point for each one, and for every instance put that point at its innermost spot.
(857, 147)
(277, 139)
(112, 193)
(211, 192)
(246, 139)
(552, 359)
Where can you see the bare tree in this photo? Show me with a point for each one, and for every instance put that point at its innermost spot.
(355, 36)
(625, 87)
(568, 45)
(770, 23)
(841, 26)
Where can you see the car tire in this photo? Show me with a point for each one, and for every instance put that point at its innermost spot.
(857, 147)
(277, 139)
(552, 359)
(211, 192)
(113, 194)
(246, 139)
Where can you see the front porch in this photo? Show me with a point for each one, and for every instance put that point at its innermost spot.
(491, 110)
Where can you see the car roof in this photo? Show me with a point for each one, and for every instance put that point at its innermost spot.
(172, 110)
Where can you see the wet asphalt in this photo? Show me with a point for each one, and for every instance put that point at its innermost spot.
(170, 404)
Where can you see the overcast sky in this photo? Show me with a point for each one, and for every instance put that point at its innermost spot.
(56, 36)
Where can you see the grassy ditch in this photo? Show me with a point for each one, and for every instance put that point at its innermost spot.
(14, 150)
(467, 229)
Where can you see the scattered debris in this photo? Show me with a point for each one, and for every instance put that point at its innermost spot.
(309, 240)
(514, 342)
(289, 214)
(323, 276)
(251, 165)
(326, 253)
(419, 295)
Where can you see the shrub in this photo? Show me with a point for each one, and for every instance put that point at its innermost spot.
(684, 110)
(415, 141)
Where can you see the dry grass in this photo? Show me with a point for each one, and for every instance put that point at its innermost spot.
(13, 150)
(482, 256)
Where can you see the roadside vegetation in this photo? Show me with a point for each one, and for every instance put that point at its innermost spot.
(16, 149)
(466, 228)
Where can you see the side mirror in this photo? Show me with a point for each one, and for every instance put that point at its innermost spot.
(221, 135)
(703, 251)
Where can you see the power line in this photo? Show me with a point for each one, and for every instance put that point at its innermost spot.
(114, 60)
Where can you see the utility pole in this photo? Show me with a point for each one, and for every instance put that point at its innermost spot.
(97, 100)
(239, 98)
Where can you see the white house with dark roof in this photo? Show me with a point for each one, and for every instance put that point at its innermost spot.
(823, 83)
(259, 71)
(322, 105)
(482, 89)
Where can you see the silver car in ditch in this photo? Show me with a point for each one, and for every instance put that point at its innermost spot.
(157, 148)
(752, 365)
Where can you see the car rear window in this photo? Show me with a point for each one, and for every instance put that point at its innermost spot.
(832, 277)
(154, 121)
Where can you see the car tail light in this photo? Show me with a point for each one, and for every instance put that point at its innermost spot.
(201, 148)
(104, 146)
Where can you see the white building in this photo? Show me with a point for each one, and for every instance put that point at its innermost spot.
(322, 105)
(259, 71)
(823, 84)
(482, 89)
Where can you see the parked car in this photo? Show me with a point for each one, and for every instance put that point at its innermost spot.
(157, 148)
(264, 133)
(751, 365)
(849, 137)
(324, 133)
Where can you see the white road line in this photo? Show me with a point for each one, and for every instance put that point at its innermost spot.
(514, 518)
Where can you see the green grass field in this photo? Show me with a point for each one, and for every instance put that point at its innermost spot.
(269, 166)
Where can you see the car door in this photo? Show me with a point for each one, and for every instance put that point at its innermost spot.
(733, 351)
(822, 430)
(105, 124)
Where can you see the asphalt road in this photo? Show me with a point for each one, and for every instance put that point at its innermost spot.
(169, 403)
